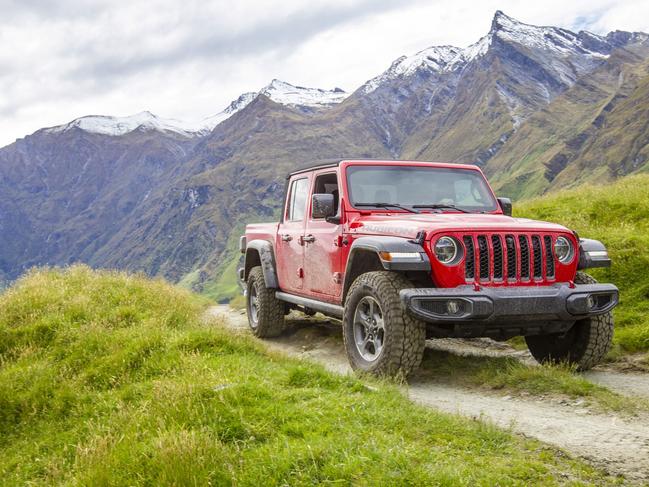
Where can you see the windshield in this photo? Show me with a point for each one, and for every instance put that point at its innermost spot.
(419, 187)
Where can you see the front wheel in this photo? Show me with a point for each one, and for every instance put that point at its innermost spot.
(380, 337)
(584, 345)
(265, 311)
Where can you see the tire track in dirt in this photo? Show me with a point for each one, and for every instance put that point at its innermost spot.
(617, 444)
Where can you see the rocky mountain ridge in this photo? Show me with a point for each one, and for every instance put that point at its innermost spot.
(561, 42)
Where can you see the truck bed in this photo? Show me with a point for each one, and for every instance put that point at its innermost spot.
(262, 231)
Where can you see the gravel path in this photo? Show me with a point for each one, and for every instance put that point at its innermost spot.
(627, 383)
(618, 444)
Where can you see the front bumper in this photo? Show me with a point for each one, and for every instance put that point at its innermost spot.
(510, 305)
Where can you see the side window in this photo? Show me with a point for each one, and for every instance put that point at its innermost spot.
(298, 198)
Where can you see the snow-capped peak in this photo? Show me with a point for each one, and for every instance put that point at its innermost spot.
(504, 28)
(208, 123)
(288, 94)
(434, 58)
(108, 125)
(278, 91)
(560, 41)
(503, 21)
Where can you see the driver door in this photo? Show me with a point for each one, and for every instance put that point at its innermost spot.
(322, 248)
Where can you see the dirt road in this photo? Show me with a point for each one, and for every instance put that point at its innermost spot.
(618, 444)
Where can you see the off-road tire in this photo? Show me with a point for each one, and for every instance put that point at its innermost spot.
(584, 345)
(270, 310)
(404, 336)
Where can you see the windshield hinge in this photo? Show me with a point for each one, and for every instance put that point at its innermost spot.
(419, 239)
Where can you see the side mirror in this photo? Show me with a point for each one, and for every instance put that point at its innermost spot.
(323, 205)
(505, 205)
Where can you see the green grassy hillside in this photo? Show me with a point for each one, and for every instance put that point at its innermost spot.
(112, 379)
(618, 215)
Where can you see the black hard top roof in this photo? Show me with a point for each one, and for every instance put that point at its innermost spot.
(326, 163)
(312, 166)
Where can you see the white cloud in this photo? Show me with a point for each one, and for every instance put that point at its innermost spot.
(186, 60)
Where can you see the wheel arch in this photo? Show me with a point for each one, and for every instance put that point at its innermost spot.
(260, 253)
(365, 256)
(592, 253)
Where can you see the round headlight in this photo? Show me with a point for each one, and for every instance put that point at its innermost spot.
(446, 250)
(563, 250)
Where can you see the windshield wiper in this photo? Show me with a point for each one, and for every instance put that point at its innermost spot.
(388, 205)
(441, 207)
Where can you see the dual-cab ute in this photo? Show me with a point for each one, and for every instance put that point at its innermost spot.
(403, 251)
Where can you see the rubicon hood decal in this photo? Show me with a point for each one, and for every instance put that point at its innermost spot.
(408, 225)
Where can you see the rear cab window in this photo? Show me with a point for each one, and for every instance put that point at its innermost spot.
(297, 200)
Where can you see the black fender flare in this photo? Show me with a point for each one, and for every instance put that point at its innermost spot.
(592, 253)
(387, 244)
(267, 258)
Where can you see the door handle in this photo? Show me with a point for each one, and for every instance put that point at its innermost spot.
(287, 238)
(308, 239)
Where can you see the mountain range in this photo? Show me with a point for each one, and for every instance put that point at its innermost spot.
(538, 108)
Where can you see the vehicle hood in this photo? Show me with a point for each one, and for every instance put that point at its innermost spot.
(408, 225)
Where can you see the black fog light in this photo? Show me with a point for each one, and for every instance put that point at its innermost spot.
(449, 308)
(591, 302)
(443, 307)
(453, 307)
(581, 304)
(600, 301)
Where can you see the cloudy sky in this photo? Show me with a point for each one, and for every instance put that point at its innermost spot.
(188, 59)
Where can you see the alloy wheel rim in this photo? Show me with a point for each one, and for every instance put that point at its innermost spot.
(253, 306)
(369, 329)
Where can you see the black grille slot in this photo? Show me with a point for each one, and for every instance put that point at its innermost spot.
(538, 258)
(525, 257)
(484, 257)
(469, 261)
(511, 257)
(498, 256)
(549, 258)
(436, 307)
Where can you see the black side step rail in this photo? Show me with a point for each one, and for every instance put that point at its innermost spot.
(328, 309)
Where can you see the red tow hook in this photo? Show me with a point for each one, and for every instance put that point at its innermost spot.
(476, 286)
(571, 284)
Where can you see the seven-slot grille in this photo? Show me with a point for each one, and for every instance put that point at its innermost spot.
(509, 257)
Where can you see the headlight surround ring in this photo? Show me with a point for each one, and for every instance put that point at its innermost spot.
(564, 250)
(447, 250)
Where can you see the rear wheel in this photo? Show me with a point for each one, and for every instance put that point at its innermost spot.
(380, 337)
(584, 345)
(265, 311)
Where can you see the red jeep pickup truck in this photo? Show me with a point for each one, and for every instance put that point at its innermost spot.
(403, 251)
